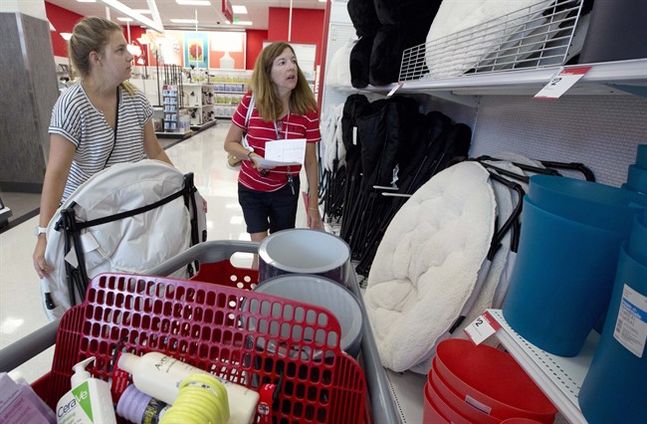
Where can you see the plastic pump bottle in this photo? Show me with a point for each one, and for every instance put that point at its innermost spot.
(89, 401)
(159, 376)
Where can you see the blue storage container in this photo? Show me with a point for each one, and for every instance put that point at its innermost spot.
(614, 388)
(637, 179)
(595, 204)
(641, 156)
(562, 281)
(637, 246)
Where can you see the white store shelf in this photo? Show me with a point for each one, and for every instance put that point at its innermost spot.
(560, 378)
(629, 72)
(407, 390)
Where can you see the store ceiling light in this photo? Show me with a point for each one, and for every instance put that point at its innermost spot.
(124, 19)
(120, 7)
(245, 23)
(193, 2)
(239, 9)
(66, 35)
(184, 21)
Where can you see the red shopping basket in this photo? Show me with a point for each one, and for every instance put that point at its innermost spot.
(246, 337)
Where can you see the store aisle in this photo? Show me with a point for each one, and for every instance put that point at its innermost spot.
(203, 154)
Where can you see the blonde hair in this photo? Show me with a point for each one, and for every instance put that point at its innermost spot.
(91, 34)
(268, 103)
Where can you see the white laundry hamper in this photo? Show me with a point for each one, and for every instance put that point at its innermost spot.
(127, 218)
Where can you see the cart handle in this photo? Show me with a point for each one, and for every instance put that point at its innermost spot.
(22, 350)
(207, 252)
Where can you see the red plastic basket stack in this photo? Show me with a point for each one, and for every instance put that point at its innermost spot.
(246, 337)
(471, 384)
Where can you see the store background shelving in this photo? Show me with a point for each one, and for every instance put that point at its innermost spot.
(599, 121)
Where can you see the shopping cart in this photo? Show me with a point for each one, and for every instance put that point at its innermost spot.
(219, 325)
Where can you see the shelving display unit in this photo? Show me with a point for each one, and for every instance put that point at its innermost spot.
(229, 88)
(560, 378)
(599, 121)
(198, 101)
(5, 213)
(176, 122)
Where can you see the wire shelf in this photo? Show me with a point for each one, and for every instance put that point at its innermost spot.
(533, 37)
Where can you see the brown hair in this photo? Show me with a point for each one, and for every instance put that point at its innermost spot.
(91, 34)
(268, 103)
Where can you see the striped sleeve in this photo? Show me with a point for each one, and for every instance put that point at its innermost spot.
(146, 110)
(238, 118)
(313, 135)
(66, 121)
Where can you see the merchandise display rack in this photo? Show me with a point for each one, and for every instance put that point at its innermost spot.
(171, 103)
(560, 378)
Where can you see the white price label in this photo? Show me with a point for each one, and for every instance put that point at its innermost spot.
(394, 89)
(482, 328)
(631, 325)
(562, 82)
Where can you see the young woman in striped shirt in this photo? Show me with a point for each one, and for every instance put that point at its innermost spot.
(284, 108)
(96, 123)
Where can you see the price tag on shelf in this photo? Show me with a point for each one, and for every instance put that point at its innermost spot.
(562, 82)
(482, 328)
(394, 89)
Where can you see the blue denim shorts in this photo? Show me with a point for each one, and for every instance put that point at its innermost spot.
(274, 210)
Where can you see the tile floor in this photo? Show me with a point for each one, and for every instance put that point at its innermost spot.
(20, 306)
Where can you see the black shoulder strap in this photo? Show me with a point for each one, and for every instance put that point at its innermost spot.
(114, 139)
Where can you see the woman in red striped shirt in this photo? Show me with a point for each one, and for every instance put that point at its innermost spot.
(283, 108)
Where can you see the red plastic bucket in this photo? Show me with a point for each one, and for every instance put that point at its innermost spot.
(430, 414)
(454, 416)
(492, 378)
(457, 403)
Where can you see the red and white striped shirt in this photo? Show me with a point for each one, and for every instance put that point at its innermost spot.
(259, 132)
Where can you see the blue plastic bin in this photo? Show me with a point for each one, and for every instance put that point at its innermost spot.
(595, 204)
(562, 281)
(637, 179)
(641, 156)
(614, 388)
(637, 245)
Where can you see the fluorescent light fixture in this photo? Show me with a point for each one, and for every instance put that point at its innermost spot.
(245, 23)
(142, 11)
(120, 7)
(155, 13)
(134, 49)
(66, 35)
(124, 19)
(239, 10)
(193, 2)
(184, 21)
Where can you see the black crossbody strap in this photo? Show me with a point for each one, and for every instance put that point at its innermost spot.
(122, 215)
(114, 139)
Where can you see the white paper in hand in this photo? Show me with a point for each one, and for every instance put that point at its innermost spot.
(285, 152)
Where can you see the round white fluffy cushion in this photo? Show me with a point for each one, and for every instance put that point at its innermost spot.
(427, 263)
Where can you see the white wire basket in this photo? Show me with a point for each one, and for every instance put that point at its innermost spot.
(533, 37)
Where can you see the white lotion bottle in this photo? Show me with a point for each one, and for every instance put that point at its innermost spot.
(89, 401)
(159, 376)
